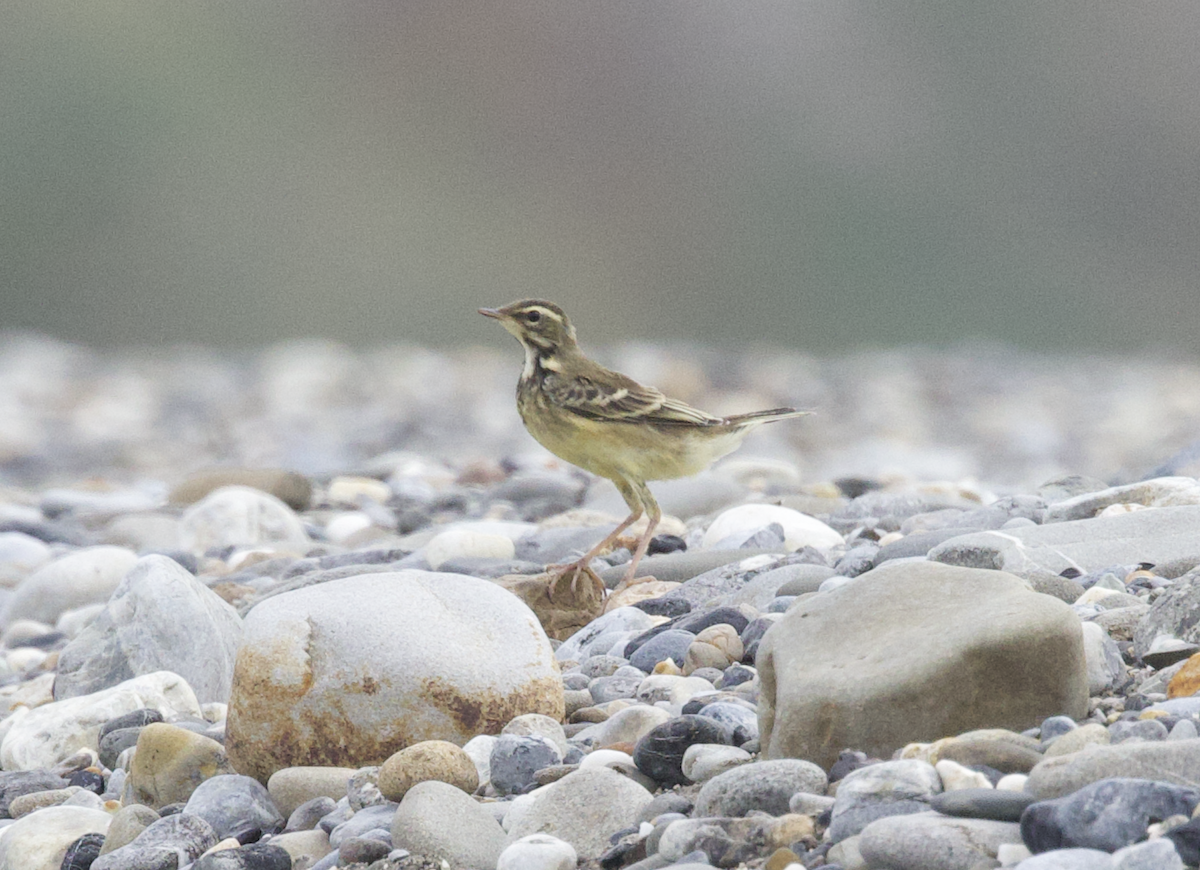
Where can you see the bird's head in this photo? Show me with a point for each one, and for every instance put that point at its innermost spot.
(541, 326)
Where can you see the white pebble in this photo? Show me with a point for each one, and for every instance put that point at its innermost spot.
(465, 543)
(703, 761)
(799, 530)
(955, 776)
(538, 852)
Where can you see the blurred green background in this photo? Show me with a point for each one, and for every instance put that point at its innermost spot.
(814, 175)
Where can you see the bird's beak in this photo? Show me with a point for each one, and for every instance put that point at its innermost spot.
(491, 312)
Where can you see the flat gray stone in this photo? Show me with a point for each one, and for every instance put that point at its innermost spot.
(931, 841)
(916, 651)
(1171, 616)
(1168, 537)
(1171, 761)
(159, 618)
(1157, 492)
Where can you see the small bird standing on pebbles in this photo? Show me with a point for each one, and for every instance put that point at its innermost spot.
(609, 424)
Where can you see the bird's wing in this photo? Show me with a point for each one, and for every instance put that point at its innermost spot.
(620, 399)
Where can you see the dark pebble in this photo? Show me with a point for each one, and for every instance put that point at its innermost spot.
(89, 780)
(82, 852)
(135, 719)
(362, 850)
(659, 753)
(669, 607)
(671, 644)
(258, 856)
(982, 803)
(1187, 841)
(1107, 815)
(660, 544)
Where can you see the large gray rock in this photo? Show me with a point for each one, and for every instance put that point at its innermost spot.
(914, 652)
(1172, 615)
(1169, 537)
(1172, 761)
(1157, 492)
(934, 842)
(159, 618)
(349, 672)
(584, 809)
(80, 578)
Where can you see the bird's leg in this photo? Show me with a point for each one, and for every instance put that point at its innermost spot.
(583, 563)
(655, 515)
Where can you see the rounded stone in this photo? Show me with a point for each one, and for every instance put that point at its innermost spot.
(40, 841)
(659, 754)
(235, 806)
(294, 490)
(83, 577)
(322, 679)
(538, 852)
(668, 645)
(293, 786)
(763, 786)
(516, 759)
(628, 725)
(702, 761)
(799, 530)
(438, 820)
(170, 762)
(239, 516)
(428, 760)
(982, 803)
(584, 808)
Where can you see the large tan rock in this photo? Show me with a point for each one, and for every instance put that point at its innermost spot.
(913, 652)
(351, 671)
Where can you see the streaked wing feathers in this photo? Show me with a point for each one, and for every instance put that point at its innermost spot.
(620, 399)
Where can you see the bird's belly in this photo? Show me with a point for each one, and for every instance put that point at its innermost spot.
(619, 450)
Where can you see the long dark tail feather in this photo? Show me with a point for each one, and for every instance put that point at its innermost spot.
(755, 418)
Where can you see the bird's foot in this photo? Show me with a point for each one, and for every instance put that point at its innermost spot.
(559, 573)
(628, 582)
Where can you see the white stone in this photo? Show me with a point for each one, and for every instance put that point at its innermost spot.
(799, 530)
(1012, 782)
(20, 554)
(239, 516)
(40, 840)
(467, 544)
(955, 776)
(1010, 854)
(542, 726)
(343, 525)
(479, 750)
(348, 490)
(670, 688)
(538, 852)
(703, 761)
(86, 576)
(385, 660)
(48, 734)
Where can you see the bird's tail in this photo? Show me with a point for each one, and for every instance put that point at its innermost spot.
(757, 418)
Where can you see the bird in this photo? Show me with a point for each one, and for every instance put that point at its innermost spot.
(610, 425)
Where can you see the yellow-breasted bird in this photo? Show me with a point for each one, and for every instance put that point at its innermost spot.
(609, 424)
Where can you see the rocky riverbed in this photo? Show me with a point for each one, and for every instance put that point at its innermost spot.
(288, 609)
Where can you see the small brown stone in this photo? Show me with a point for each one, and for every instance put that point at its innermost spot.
(438, 760)
(291, 488)
(781, 858)
(1186, 681)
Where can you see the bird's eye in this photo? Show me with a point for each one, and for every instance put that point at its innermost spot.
(533, 316)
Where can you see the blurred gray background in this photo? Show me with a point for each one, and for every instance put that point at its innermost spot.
(823, 176)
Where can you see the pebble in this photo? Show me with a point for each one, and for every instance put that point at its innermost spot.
(116, 602)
